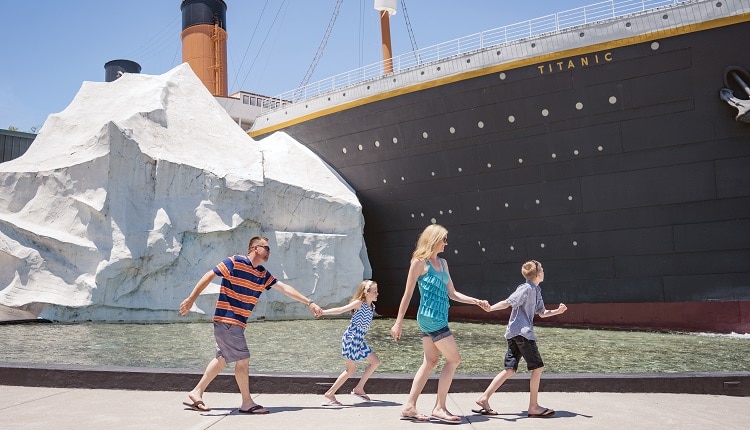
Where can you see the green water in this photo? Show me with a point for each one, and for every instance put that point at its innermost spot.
(314, 346)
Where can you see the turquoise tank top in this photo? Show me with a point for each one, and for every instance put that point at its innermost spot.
(432, 314)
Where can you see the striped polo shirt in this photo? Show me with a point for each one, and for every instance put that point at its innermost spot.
(241, 286)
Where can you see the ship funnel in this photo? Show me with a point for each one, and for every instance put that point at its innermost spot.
(116, 68)
(204, 42)
(386, 6)
(386, 9)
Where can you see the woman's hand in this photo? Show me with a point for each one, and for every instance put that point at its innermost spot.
(396, 331)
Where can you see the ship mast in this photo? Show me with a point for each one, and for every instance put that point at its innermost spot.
(386, 9)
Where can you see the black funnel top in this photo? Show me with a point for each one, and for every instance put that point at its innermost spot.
(115, 68)
(196, 12)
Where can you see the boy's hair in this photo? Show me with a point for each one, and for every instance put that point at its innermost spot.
(428, 240)
(255, 241)
(530, 269)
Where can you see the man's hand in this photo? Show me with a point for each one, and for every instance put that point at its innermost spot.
(186, 305)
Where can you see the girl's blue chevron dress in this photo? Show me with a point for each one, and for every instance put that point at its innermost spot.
(353, 344)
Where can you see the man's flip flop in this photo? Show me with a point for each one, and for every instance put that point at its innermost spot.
(446, 420)
(483, 411)
(364, 397)
(545, 414)
(254, 410)
(197, 406)
(416, 418)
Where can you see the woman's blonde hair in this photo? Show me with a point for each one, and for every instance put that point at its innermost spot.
(362, 290)
(432, 235)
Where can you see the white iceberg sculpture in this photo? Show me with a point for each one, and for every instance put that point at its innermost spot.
(142, 185)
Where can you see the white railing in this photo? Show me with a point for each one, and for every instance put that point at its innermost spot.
(509, 33)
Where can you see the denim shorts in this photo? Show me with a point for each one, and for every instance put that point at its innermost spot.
(438, 334)
(518, 347)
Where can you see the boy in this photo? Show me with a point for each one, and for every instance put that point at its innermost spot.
(525, 301)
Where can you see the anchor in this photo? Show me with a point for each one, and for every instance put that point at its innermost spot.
(741, 77)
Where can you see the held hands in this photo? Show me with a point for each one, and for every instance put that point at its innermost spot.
(316, 310)
(484, 304)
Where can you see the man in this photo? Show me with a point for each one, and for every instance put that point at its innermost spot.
(244, 280)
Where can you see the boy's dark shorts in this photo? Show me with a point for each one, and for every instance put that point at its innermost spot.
(519, 347)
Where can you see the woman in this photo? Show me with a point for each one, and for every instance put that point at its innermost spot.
(435, 288)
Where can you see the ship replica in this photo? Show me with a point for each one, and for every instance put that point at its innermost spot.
(610, 143)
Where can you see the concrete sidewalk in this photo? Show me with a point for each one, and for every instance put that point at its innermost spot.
(31, 408)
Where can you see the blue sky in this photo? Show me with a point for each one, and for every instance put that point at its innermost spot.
(50, 47)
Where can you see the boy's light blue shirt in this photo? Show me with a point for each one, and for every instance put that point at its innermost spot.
(526, 301)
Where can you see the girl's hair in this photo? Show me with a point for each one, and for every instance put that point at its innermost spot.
(363, 289)
(530, 269)
(432, 235)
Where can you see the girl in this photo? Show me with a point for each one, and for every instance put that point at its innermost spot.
(353, 346)
(430, 273)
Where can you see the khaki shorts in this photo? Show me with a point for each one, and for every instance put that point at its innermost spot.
(230, 342)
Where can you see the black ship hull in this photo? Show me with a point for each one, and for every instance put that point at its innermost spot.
(618, 167)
